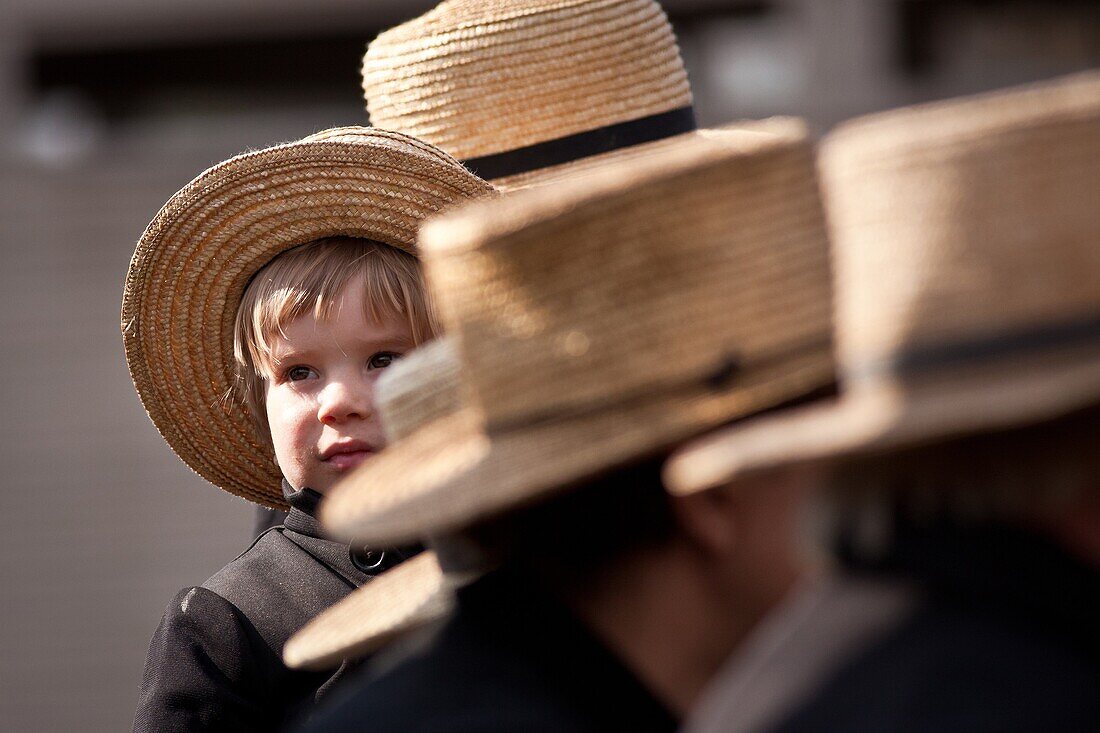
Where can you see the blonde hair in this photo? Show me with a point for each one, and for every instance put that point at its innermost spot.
(308, 279)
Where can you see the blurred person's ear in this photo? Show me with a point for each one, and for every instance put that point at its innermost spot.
(1078, 528)
(760, 515)
(707, 520)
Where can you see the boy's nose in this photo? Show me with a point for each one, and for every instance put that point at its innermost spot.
(340, 402)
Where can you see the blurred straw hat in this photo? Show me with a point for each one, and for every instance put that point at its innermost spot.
(527, 91)
(605, 320)
(967, 248)
(397, 602)
(412, 394)
(192, 265)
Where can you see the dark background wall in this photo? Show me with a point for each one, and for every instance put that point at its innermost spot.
(109, 107)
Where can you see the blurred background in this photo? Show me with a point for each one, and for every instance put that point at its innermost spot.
(107, 107)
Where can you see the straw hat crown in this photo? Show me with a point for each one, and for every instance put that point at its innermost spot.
(606, 319)
(965, 238)
(561, 303)
(965, 222)
(477, 77)
(195, 259)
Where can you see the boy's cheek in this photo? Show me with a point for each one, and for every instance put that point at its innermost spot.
(290, 421)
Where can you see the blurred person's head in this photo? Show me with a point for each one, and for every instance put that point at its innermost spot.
(671, 584)
(968, 289)
(1043, 477)
(958, 463)
(601, 324)
(314, 330)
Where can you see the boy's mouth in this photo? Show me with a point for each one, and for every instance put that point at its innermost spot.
(347, 454)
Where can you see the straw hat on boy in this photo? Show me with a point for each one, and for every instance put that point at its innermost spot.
(192, 265)
(529, 91)
(411, 395)
(967, 248)
(605, 320)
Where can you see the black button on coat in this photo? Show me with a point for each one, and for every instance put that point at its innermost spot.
(215, 663)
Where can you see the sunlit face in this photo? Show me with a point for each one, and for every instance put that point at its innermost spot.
(320, 399)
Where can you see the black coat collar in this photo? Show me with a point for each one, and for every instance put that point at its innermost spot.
(356, 563)
(302, 517)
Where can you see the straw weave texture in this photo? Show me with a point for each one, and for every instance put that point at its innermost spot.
(477, 77)
(192, 264)
(589, 317)
(967, 218)
(966, 231)
(577, 302)
(419, 389)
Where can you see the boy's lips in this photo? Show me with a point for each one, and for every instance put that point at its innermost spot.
(348, 454)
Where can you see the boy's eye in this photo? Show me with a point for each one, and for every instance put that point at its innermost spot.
(298, 373)
(382, 360)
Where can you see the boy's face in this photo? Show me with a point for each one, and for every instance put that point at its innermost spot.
(320, 399)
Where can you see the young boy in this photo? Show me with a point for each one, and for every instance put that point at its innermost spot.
(261, 304)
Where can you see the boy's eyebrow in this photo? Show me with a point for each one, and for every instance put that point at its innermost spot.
(402, 341)
(279, 356)
(397, 339)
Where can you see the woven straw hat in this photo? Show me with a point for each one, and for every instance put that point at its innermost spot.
(411, 395)
(526, 91)
(192, 265)
(605, 320)
(967, 248)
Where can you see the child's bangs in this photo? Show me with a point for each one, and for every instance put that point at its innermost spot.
(310, 278)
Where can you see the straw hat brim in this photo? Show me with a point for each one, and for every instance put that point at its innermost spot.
(399, 601)
(193, 263)
(741, 132)
(892, 416)
(450, 475)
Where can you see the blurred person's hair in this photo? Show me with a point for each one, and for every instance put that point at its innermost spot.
(571, 542)
(1008, 476)
(309, 279)
(568, 543)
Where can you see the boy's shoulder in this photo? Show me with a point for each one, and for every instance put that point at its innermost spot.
(277, 585)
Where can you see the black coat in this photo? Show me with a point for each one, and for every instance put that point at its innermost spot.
(509, 660)
(1000, 635)
(215, 661)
